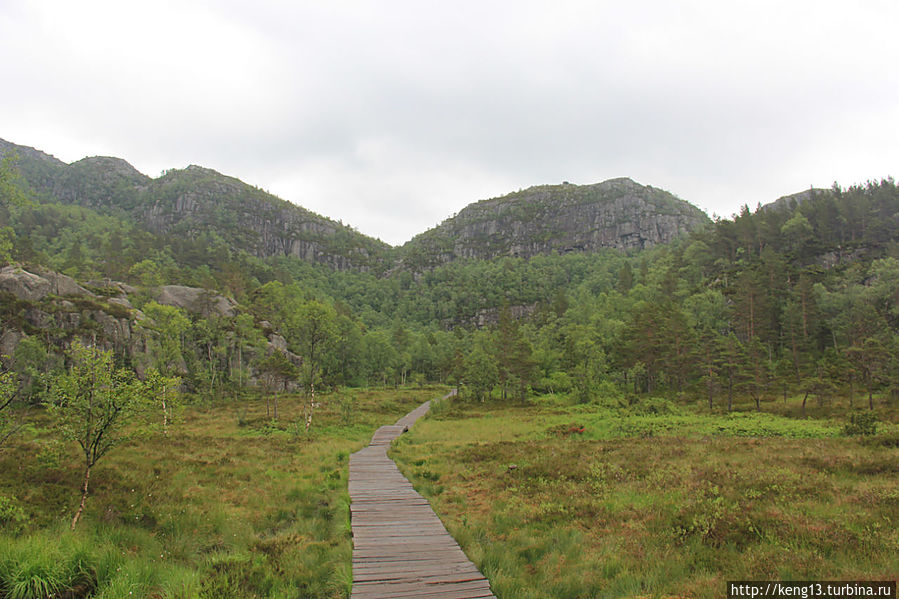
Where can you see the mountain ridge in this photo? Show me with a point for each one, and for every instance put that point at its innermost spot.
(617, 213)
(198, 199)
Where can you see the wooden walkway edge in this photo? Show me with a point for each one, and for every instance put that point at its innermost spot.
(400, 547)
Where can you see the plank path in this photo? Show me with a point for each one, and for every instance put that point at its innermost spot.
(400, 547)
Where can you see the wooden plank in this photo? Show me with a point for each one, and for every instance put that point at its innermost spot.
(400, 547)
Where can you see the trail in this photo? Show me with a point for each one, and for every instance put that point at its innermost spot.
(400, 547)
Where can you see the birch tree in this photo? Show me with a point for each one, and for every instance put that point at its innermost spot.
(95, 405)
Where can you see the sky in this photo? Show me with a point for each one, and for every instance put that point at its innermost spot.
(393, 115)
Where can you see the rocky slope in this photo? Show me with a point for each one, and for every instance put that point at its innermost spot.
(790, 202)
(58, 310)
(187, 202)
(617, 213)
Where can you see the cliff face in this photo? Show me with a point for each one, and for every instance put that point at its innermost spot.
(56, 308)
(618, 213)
(194, 201)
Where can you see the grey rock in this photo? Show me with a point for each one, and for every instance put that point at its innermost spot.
(24, 285)
(63, 285)
(39, 318)
(792, 201)
(277, 342)
(196, 300)
(121, 301)
(116, 286)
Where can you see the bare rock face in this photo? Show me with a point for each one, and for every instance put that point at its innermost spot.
(618, 213)
(196, 300)
(110, 324)
(278, 343)
(121, 301)
(24, 285)
(63, 285)
(29, 286)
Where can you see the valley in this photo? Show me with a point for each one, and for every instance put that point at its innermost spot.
(651, 402)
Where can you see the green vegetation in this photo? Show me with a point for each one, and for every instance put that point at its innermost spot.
(230, 504)
(720, 406)
(559, 499)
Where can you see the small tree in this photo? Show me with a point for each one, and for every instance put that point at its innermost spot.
(93, 404)
(481, 374)
(315, 332)
(8, 422)
(167, 326)
(277, 371)
(33, 363)
(163, 390)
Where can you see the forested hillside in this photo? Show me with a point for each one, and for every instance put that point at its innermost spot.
(196, 205)
(795, 298)
(618, 213)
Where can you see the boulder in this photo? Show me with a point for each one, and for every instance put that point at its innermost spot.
(24, 285)
(121, 301)
(196, 300)
(277, 342)
(63, 285)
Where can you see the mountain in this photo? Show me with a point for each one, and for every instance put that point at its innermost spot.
(196, 200)
(617, 213)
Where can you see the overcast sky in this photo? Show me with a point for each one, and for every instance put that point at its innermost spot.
(392, 115)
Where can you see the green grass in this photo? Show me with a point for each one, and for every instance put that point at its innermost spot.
(554, 500)
(231, 504)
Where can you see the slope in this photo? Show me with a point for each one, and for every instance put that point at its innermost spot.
(195, 200)
(617, 213)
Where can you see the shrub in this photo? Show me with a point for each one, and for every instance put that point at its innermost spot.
(863, 423)
(12, 516)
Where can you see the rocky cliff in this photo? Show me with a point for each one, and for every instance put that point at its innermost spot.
(58, 309)
(196, 200)
(618, 213)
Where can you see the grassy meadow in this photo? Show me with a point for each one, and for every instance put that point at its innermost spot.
(231, 504)
(658, 500)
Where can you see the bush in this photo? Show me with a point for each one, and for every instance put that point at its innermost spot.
(12, 516)
(863, 423)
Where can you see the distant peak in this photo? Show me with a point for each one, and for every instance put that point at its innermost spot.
(27, 152)
(109, 164)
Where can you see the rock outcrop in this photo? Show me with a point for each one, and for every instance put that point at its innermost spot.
(55, 305)
(23, 285)
(794, 200)
(33, 287)
(618, 213)
(196, 300)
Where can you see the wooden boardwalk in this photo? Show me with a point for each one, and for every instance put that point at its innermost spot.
(400, 547)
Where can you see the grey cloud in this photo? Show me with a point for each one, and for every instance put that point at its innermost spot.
(392, 117)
